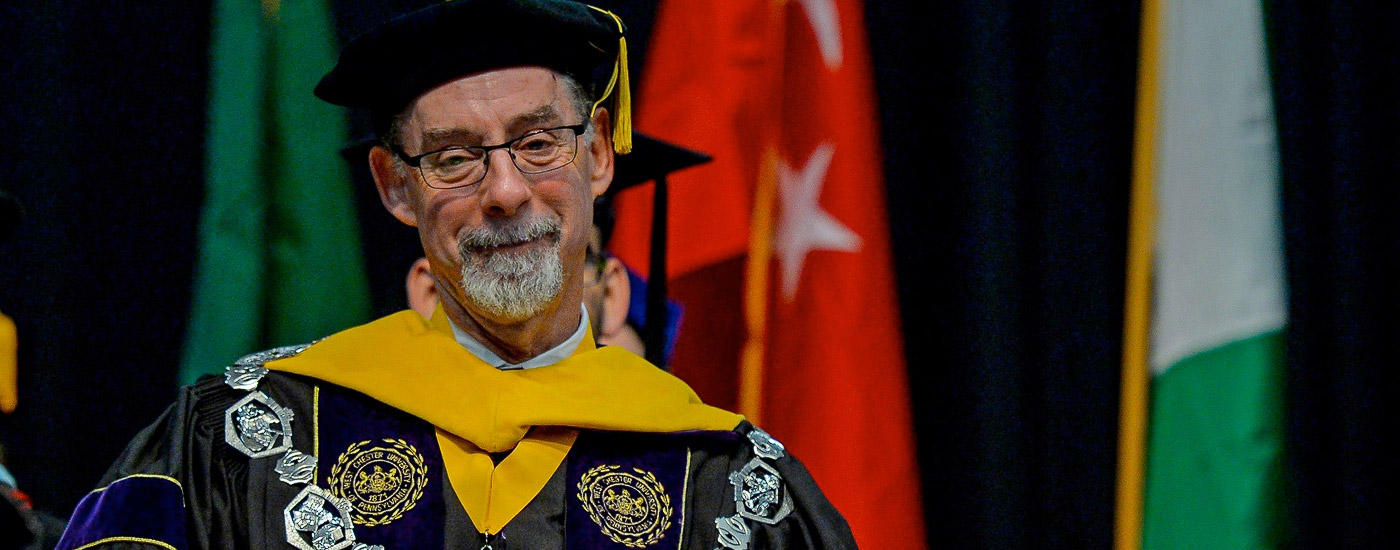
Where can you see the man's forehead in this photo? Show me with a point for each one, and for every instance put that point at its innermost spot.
(503, 100)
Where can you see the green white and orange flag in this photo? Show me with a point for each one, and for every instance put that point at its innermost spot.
(1207, 304)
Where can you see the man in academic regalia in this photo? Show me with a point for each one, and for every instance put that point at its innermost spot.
(496, 423)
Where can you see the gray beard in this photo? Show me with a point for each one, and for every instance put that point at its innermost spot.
(512, 287)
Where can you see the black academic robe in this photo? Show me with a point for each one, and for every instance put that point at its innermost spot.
(218, 471)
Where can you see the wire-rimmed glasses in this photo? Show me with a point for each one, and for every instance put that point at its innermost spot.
(535, 152)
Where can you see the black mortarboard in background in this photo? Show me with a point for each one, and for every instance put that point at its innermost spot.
(651, 159)
(386, 68)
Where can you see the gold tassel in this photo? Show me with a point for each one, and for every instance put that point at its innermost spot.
(622, 129)
(622, 104)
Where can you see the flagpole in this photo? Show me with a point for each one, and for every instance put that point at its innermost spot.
(1132, 445)
(756, 291)
(760, 254)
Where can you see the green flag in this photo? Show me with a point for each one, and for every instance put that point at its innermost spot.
(1215, 445)
(279, 254)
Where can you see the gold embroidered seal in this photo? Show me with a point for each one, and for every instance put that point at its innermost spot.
(631, 508)
(381, 482)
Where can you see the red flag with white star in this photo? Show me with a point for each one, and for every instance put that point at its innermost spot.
(779, 249)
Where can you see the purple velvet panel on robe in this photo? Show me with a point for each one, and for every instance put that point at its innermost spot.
(140, 508)
(379, 457)
(626, 488)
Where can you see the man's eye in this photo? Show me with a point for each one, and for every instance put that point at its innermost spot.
(538, 142)
(455, 157)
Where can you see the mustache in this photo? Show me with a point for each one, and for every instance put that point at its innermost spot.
(491, 237)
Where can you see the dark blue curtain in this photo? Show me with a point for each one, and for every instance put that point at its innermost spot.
(1336, 70)
(101, 117)
(1008, 135)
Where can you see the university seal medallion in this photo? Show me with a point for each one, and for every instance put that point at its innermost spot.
(257, 426)
(631, 508)
(382, 482)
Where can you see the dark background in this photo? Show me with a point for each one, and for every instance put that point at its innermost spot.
(1007, 129)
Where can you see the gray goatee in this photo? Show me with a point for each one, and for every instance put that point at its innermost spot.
(512, 286)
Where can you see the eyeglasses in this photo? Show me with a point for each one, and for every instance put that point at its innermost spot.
(536, 152)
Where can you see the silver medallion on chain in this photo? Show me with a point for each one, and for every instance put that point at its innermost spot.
(296, 467)
(316, 520)
(759, 493)
(257, 426)
(244, 377)
(273, 354)
(733, 532)
(245, 373)
(765, 446)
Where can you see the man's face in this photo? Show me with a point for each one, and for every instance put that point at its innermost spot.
(511, 246)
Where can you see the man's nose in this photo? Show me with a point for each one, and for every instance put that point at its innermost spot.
(506, 187)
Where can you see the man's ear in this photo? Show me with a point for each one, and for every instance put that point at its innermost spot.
(422, 290)
(617, 296)
(601, 149)
(392, 181)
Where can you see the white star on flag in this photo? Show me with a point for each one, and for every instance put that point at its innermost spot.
(826, 24)
(802, 225)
